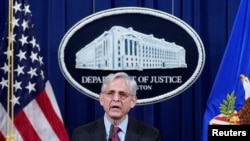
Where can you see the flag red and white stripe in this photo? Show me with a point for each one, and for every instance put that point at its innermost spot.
(39, 120)
(222, 120)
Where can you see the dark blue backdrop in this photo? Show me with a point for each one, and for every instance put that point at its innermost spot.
(179, 118)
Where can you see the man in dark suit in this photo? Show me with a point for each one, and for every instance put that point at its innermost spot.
(118, 96)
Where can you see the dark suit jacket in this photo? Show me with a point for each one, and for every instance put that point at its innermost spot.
(136, 131)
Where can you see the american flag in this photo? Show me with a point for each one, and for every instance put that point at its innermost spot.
(28, 107)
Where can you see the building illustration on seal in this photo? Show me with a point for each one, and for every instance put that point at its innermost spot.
(126, 49)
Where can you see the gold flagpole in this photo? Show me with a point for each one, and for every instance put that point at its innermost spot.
(10, 94)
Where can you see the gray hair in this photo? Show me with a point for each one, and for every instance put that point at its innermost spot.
(130, 81)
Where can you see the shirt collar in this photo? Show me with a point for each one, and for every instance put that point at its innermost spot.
(123, 125)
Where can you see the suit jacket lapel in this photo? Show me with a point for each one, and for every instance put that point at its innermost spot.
(131, 136)
(133, 131)
(99, 133)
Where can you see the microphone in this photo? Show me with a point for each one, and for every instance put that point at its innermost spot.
(111, 130)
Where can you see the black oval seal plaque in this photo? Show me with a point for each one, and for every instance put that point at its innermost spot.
(163, 53)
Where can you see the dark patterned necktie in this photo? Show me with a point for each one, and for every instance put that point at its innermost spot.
(115, 134)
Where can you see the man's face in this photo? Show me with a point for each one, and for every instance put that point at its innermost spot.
(116, 99)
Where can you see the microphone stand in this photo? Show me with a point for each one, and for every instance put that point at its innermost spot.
(111, 131)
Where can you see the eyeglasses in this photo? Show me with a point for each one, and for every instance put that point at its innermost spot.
(122, 95)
